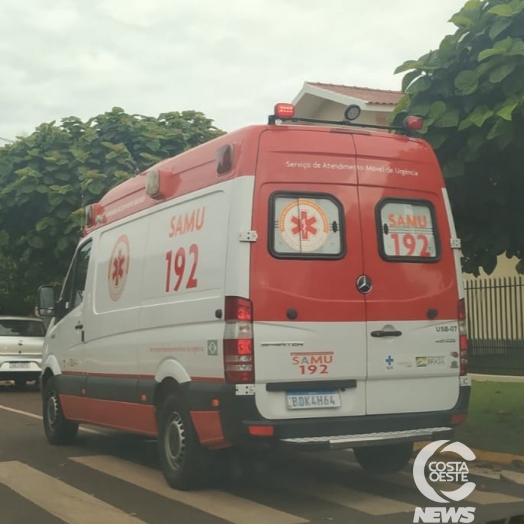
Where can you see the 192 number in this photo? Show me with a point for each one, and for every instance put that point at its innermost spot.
(409, 242)
(176, 263)
(313, 368)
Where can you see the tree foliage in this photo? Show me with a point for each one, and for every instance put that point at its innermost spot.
(470, 92)
(47, 179)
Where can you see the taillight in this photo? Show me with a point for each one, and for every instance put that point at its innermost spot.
(463, 338)
(239, 364)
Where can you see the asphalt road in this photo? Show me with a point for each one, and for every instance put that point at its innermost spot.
(113, 478)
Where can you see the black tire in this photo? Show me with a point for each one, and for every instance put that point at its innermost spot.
(59, 431)
(20, 384)
(185, 463)
(384, 459)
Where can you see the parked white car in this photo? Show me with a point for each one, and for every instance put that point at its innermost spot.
(21, 344)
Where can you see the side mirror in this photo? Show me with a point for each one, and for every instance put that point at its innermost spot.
(45, 301)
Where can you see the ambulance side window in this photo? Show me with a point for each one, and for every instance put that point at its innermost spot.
(306, 226)
(407, 231)
(74, 286)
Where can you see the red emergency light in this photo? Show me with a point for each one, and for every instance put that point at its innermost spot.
(284, 110)
(414, 123)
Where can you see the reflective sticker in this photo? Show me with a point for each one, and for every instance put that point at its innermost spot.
(408, 230)
(304, 225)
(118, 268)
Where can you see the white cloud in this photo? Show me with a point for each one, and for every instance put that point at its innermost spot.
(232, 59)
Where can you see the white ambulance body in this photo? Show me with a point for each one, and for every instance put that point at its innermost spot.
(280, 285)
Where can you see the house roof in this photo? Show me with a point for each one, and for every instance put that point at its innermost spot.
(370, 96)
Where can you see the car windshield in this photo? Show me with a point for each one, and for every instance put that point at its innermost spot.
(21, 328)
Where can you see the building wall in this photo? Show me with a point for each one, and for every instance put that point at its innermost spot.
(333, 111)
(505, 268)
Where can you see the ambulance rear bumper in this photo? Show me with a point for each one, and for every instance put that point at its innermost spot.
(242, 423)
(368, 439)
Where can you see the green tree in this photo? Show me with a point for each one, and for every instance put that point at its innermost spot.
(470, 92)
(47, 179)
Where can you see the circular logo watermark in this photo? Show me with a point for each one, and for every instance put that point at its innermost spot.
(443, 471)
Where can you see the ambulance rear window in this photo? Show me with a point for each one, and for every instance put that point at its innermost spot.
(407, 231)
(306, 226)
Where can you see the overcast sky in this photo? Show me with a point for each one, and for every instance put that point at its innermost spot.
(231, 59)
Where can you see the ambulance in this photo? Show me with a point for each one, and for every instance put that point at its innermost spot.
(291, 285)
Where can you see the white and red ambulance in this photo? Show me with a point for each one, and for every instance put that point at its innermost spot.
(285, 284)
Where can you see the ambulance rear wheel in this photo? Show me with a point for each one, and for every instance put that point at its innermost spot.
(388, 458)
(57, 428)
(182, 457)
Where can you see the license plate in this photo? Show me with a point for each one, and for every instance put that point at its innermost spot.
(313, 399)
(19, 365)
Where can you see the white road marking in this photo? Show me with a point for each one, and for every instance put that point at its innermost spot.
(229, 507)
(405, 479)
(513, 477)
(347, 497)
(484, 472)
(58, 498)
(39, 417)
(477, 497)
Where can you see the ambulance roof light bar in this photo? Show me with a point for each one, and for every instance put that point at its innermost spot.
(286, 113)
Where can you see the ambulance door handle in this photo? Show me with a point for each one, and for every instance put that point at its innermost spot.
(385, 333)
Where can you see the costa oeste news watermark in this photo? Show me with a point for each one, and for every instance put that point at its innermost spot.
(428, 467)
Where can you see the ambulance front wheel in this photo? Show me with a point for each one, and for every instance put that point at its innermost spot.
(388, 458)
(182, 457)
(57, 428)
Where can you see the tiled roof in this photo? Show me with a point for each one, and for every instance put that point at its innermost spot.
(371, 96)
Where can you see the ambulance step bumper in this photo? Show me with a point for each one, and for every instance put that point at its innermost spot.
(368, 439)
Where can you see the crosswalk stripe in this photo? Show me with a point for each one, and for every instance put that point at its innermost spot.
(347, 497)
(58, 498)
(477, 497)
(224, 505)
(405, 479)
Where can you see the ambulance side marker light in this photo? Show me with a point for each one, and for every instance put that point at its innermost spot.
(93, 214)
(463, 338)
(414, 123)
(156, 180)
(224, 159)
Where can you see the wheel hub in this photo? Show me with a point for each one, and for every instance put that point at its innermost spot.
(52, 409)
(175, 441)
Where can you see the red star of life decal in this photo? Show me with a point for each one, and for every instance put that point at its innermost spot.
(304, 226)
(118, 267)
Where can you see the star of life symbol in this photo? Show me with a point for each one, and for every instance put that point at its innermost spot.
(118, 268)
(442, 471)
(304, 225)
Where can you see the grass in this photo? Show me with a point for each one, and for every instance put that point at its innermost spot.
(495, 418)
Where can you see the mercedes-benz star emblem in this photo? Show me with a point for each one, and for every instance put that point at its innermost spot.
(364, 284)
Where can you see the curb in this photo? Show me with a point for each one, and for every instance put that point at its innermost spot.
(492, 457)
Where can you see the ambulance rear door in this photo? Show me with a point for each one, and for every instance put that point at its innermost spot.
(309, 318)
(411, 286)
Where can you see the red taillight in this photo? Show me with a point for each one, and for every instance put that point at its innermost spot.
(414, 123)
(284, 110)
(238, 309)
(463, 338)
(462, 309)
(239, 364)
(458, 418)
(261, 431)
